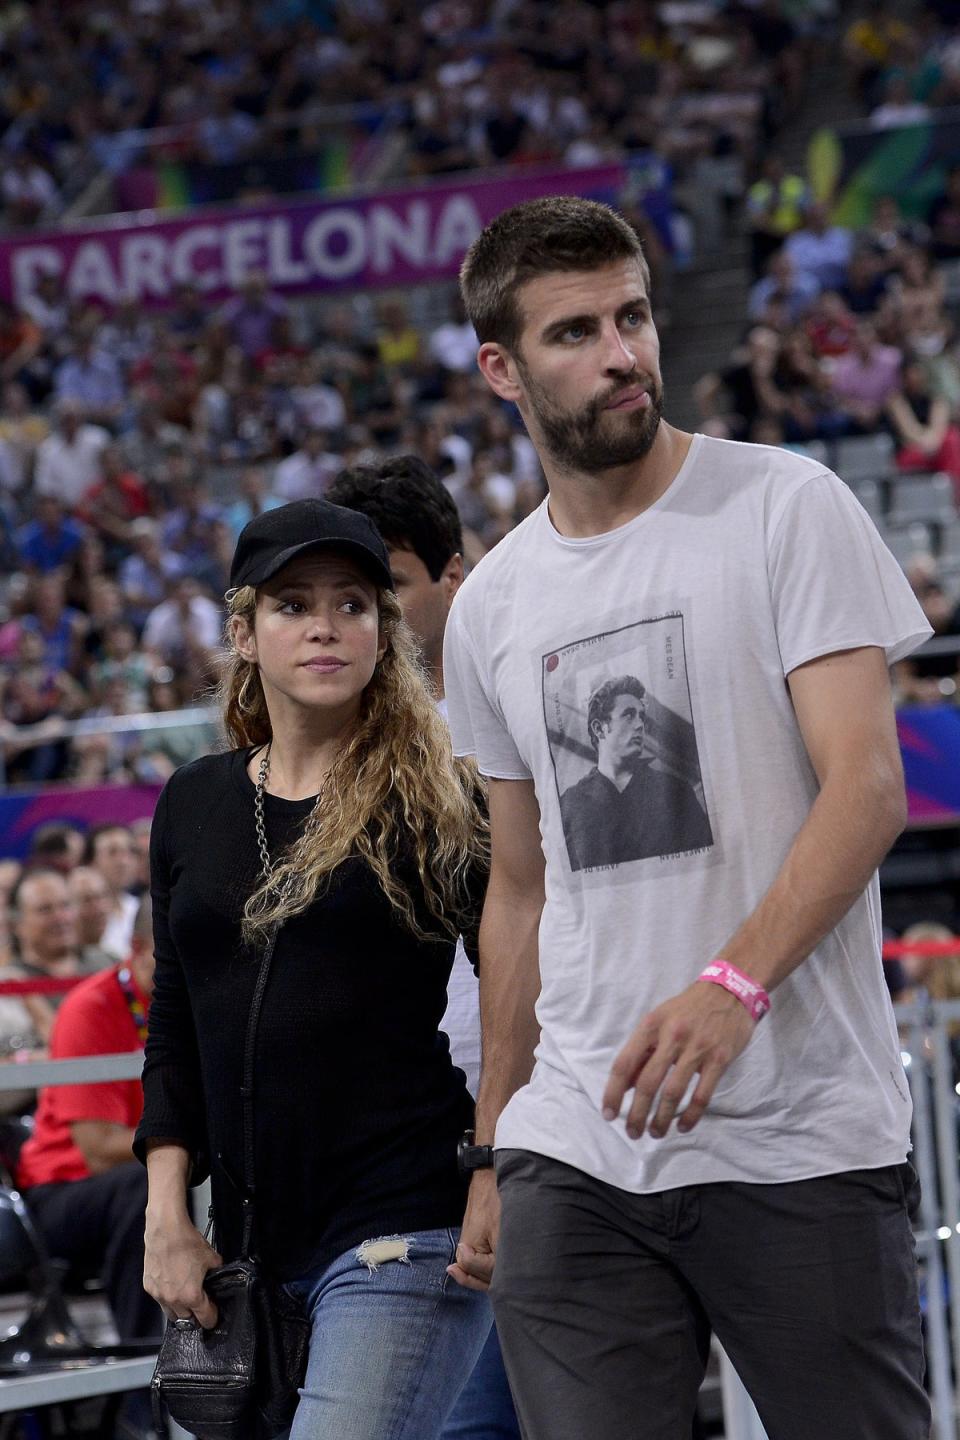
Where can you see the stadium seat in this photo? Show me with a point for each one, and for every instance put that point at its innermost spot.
(864, 457)
(928, 498)
(907, 541)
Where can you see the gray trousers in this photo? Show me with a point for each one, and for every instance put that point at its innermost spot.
(605, 1301)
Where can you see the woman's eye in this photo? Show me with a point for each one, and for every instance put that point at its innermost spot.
(353, 607)
(292, 607)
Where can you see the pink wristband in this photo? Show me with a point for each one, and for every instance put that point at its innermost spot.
(752, 996)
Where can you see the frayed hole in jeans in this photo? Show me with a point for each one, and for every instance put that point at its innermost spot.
(374, 1253)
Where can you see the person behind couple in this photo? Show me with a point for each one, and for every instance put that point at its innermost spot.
(671, 1162)
(414, 512)
(341, 817)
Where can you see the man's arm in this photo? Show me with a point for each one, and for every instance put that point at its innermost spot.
(845, 714)
(509, 986)
(102, 1143)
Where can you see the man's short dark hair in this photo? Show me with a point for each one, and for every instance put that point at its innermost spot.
(93, 835)
(411, 508)
(603, 699)
(51, 842)
(539, 237)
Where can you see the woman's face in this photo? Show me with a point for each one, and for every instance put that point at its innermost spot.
(316, 635)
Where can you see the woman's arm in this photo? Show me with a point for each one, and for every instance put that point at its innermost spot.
(176, 1256)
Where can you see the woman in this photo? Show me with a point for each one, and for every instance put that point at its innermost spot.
(343, 815)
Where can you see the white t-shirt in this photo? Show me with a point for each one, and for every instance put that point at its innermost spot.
(754, 562)
(461, 1019)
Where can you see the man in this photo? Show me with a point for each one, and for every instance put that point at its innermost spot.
(92, 903)
(756, 1183)
(85, 1190)
(43, 922)
(68, 460)
(110, 852)
(623, 809)
(414, 513)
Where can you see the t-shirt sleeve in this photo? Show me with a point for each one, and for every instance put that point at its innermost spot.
(834, 585)
(173, 1107)
(79, 1030)
(477, 724)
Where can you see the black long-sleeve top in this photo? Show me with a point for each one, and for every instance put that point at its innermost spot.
(358, 1106)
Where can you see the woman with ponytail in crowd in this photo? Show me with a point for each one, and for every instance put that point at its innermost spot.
(340, 820)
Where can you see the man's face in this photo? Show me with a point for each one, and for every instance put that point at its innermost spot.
(90, 895)
(46, 921)
(620, 739)
(588, 366)
(115, 860)
(425, 602)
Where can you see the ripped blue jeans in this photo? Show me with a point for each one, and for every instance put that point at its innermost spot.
(393, 1340)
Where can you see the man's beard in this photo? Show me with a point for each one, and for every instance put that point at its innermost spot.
(583, 440)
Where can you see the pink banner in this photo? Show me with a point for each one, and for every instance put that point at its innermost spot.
(392, 238)
(22, 811)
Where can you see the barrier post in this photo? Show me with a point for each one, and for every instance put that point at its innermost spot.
(928, 1240)
(945, 1118)
(740, 1418)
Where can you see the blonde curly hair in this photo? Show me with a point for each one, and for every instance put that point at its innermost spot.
(394, 786)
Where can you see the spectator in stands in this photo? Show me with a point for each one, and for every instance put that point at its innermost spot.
(32, 691)
(147, 573)
(46, 943)
(866, 281)
(361, 736)
(184, 630)
(68, 459)
(865, 379)
(58, 845)
(899, 107)
(930, 679)
(782, 285)
(732, 400)
(51, 540)
(20, 344)
(398, 341)
(27, 190)
(82, 1185)
(59, 626)
(116, 499)
(926, 435)
(229, 134)
(91, 378)
(775, 208)
(253, 497)
(819, 249)
(91, 898)
(249, 318)
(453, 345)
(943, 218)
(308, 471)
(109, 851)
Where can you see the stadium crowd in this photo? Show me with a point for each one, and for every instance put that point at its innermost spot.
(461, 83)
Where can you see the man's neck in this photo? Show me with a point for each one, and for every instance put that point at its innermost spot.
(581, 505)
(617, 776)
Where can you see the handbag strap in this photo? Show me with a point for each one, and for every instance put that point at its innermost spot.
(248, 1193)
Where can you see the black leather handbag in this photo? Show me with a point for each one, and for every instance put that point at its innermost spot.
(240, 1379)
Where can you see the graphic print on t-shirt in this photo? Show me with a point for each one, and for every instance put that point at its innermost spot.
(623, 744)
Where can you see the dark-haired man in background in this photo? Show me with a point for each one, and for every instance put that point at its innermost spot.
(415, 514)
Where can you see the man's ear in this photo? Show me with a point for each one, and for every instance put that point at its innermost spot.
(499, 369)
(452, 578)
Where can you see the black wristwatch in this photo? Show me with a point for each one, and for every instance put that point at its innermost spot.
(472, 1157)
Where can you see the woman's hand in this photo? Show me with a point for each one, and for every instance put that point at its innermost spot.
(175, 1265)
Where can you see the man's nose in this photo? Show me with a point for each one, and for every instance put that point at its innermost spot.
(619, 359)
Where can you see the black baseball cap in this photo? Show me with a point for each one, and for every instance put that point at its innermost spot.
(273, 539)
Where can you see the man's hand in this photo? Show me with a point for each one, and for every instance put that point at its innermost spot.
(699, 1032)
(478, 1239)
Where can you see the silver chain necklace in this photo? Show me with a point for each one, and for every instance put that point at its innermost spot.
(262, 776)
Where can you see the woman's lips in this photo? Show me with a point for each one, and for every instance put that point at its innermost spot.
(324, 667)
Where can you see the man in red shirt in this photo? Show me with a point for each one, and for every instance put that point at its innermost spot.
(85, 1190)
